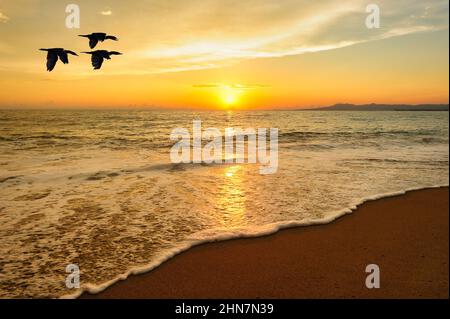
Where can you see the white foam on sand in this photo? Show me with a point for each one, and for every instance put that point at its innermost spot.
(209, 237)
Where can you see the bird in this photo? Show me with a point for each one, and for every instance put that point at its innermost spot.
(98, 36)
(54, 54)
(99, 55)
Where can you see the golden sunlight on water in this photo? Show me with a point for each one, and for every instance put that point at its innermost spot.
(231, 198)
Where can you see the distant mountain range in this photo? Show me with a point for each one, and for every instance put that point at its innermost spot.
(383, 107)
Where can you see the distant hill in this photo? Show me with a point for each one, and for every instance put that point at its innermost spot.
(384, 107)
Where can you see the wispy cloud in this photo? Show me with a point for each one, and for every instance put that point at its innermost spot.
(190, 35)
(3, 18)
(230, 86)
(296, 27)
(106, 13)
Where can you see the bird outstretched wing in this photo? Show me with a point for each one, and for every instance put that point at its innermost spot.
(93, 42)
(97, 61)
(111, 37)
(63, 57)
(52, 58)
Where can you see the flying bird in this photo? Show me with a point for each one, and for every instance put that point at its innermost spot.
(54, 54)
(99, 36)
(99, 55)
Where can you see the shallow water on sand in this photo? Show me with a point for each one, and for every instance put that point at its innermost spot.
(97, 189)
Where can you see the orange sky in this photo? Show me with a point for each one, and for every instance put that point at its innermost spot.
(227, 54)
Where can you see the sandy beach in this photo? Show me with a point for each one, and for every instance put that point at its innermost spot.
(407, 236)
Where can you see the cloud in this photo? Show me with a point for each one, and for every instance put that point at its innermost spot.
(185, 35)
(221, 35)
(231, 86)
(106, 13)
(206, 86)
(3, 18)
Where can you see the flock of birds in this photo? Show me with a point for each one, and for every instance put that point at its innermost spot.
(97, 57)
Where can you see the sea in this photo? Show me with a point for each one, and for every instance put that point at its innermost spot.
(97, 188)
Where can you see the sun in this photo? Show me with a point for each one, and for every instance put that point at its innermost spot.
(229, 97)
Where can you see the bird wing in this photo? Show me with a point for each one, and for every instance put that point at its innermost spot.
(97, 61)
(93, 42)
(63, 57)
(52, 58)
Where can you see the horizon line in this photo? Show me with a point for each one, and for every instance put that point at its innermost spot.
(182, 108)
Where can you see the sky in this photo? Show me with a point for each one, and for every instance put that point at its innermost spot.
(226, 54)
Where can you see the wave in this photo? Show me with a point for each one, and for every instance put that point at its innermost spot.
(433, 140)
(359, 133)
(305, 139)
(424, 136)
(265, 230)
(398, 161)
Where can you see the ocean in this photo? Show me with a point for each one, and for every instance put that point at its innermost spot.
(97, 188)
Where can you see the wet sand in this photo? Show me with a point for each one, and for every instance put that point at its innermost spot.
(406, 236)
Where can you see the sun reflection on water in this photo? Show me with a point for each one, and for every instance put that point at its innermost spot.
(231, 198)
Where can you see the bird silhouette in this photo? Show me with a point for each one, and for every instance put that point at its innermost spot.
(98, 57)
(54, 54)
(94, 38)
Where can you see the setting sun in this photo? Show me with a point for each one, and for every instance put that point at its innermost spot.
(229, 96)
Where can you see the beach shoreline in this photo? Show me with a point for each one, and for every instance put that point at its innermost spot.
(320, 261)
